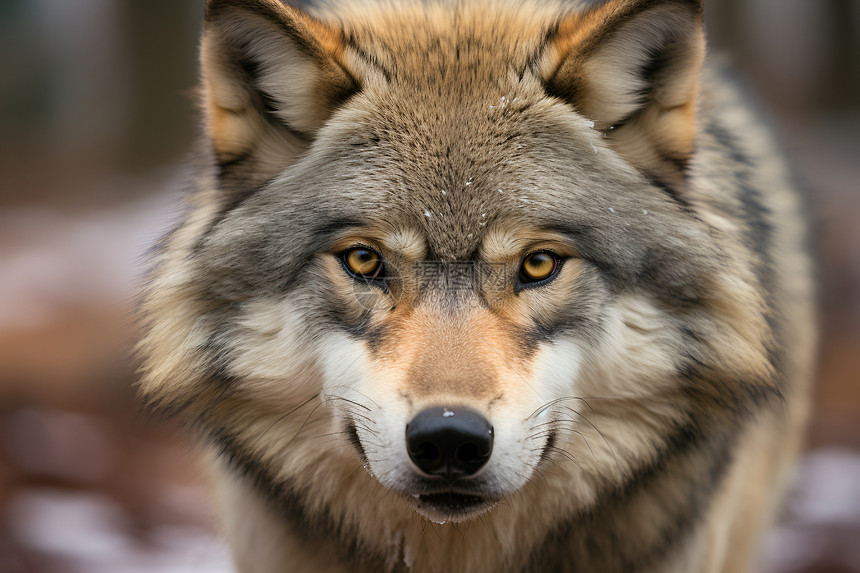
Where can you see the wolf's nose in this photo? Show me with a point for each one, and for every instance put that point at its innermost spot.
(449, 442)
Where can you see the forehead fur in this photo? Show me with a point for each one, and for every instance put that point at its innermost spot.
(452, 133)
(452, 112)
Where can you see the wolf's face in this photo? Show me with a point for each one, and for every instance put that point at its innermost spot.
(456, 250)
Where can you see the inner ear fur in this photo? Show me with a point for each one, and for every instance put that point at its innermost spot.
(272, 76)
(633, 68)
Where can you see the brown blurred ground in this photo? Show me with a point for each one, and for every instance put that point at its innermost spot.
(96, 115)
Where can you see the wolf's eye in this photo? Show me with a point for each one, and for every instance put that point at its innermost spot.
(362, 262)
(538, 267)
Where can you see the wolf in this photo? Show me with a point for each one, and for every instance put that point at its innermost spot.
(483, 286)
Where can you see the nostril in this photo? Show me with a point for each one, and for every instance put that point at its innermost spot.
(468, 454)
(425, 452)
(449, 443)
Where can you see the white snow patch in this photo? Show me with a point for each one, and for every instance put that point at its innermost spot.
(89, 533)
(829, 488)
(50, 260)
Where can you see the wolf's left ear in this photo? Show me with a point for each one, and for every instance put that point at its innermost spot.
(632, 67)
(272, 75)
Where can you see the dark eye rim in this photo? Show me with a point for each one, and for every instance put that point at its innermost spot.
(523, 282)
(379, 272)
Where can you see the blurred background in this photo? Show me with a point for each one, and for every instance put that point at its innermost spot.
(96, 119)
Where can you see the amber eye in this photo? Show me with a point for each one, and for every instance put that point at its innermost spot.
(362, 262)
(538, 267)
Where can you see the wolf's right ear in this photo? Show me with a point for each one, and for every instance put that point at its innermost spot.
(272, 75)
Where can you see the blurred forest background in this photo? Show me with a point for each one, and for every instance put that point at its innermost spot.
(96, 118)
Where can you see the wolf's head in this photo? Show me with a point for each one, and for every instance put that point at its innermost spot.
(458, 243)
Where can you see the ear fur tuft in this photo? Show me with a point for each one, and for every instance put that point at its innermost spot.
(272, 75)
(633, 67)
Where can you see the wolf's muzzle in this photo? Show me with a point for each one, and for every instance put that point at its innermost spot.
(449, 442)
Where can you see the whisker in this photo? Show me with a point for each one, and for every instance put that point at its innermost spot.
(353, 402)
(302, 427)
(602, 436)
(285, 416)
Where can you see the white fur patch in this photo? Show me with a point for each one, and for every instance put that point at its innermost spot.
(273, 356)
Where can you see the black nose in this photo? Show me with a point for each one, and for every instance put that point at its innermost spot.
(449, 442)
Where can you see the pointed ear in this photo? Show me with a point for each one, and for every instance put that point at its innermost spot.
(633, 67)
(272, 75)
